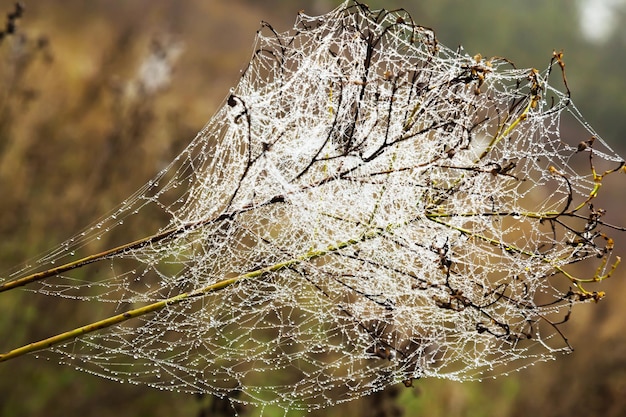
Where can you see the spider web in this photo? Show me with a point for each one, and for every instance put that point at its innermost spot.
(367, 207)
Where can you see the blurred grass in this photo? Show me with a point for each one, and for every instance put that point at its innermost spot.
(77, 137)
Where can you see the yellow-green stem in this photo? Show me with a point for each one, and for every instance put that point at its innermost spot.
(113, 320)
(6, 286)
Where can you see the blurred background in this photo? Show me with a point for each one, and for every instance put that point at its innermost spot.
(85, 120)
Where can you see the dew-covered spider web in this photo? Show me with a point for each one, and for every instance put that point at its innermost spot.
(368, 207)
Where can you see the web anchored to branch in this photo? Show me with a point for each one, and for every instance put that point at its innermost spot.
(367, 208)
